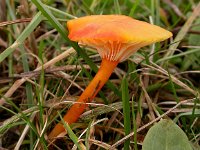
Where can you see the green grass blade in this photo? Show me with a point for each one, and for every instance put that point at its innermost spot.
(71, 134)
(179, 55)
(134, 125)
(29, 90)
(88, 135)
(61, 12)
(195, 113)
(117, 7)
(25, 118)
(32, 25)
(105, 2)
(126, 111)
(157, 13)
(24, 57)
(134, 7)
(173, 88)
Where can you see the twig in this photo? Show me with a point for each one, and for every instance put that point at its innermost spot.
(5, 23)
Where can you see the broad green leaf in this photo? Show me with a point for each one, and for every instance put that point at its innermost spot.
(166, 135)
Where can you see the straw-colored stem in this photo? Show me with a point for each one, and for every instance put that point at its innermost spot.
(87, 96)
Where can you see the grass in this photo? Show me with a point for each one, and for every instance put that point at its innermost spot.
(159, 81)
(126, 111)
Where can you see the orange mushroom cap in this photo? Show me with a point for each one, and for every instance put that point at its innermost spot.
(115, 37)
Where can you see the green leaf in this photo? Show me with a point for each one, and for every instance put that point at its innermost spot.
(166, 135)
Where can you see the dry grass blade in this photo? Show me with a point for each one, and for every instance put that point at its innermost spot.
(175, 8)
(26, 129)
(16, 117)
(184, 30)
(102, 144)
(174, 79)
(3, 43)
(51, 70)
(19, 82)
(5, 23)
(148, 99)
(67, 77)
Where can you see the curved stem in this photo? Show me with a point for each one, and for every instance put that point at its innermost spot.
(87, 96)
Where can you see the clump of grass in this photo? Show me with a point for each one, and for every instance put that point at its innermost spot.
(43, 72)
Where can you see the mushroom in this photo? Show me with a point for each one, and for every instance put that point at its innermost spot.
(115, 37)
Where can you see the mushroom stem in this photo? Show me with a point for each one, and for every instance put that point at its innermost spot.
(87, 96)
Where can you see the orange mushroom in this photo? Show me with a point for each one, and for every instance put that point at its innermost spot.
(115, 37)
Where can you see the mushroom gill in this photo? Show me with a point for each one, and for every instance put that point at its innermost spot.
(115, 37)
